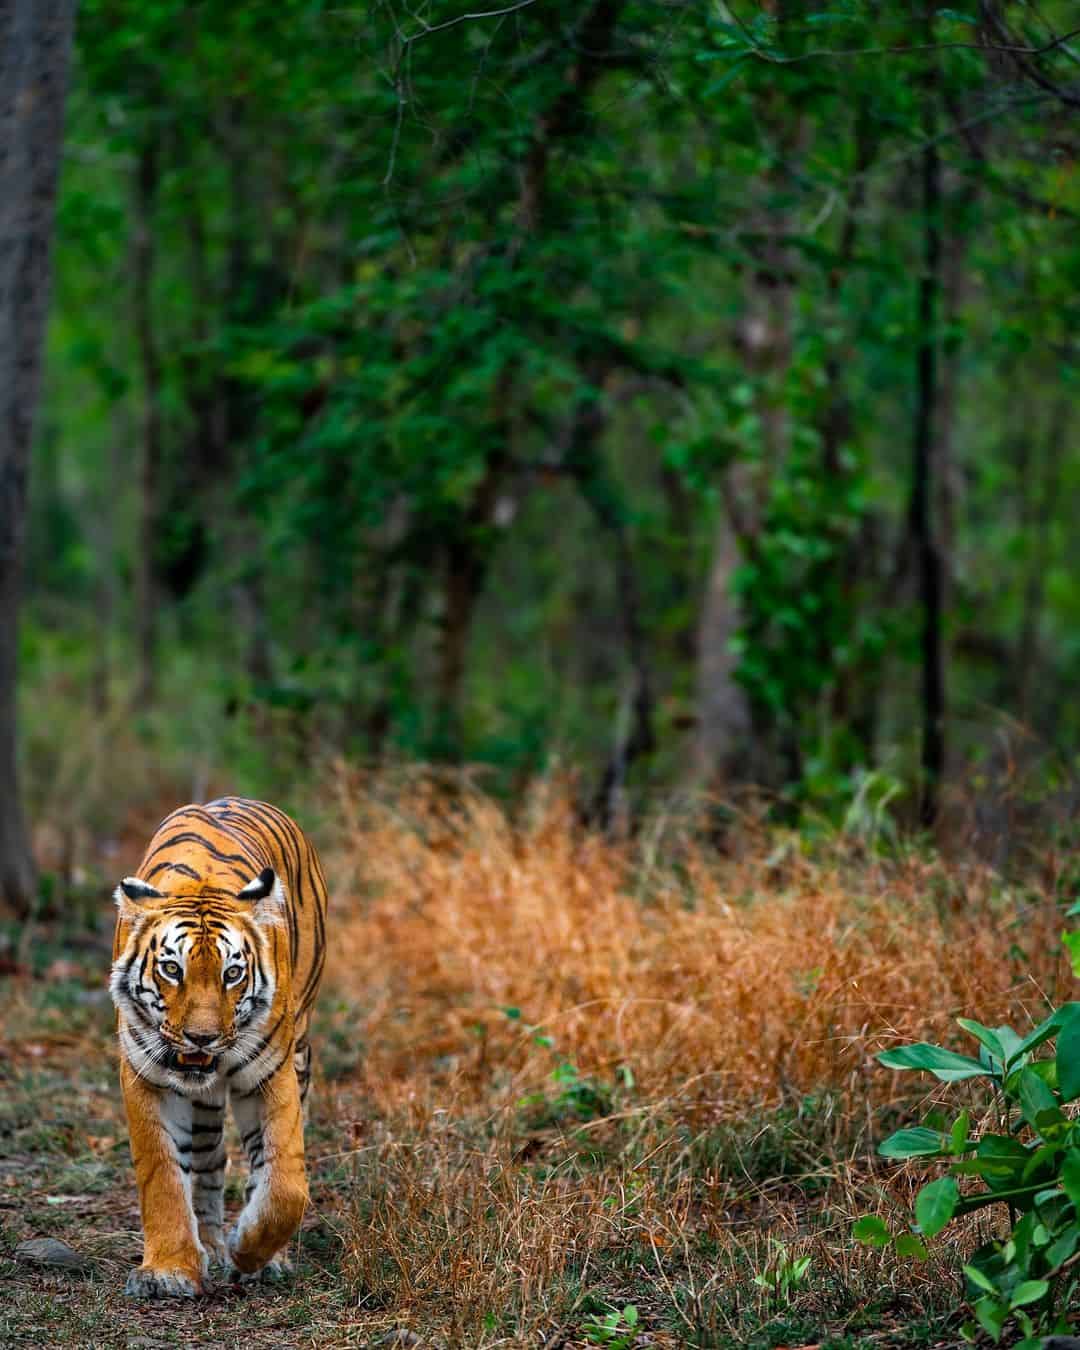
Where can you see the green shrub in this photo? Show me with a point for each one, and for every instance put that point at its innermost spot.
(1031, 1165)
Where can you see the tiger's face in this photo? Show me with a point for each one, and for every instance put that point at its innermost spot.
(193, 982)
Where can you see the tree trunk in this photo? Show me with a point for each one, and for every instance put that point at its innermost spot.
(1040, 492)
(635, 735)
(924, 536)
(35, 53)
(764, 339)
(468, 553)
(146, 598)
(466, 559)
(464, 570)
(724, 729)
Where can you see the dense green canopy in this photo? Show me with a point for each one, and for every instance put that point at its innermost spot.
(548, 382)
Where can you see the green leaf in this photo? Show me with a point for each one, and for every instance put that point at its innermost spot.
(1068, 1060)
(907, 1244)
(955, 16)
(944, 1064)
(1029, 1292)
(985, 1036)
(992, 1316)
(1043, 1157)
(871, 1231)
(1062, 1247)
(1001, 1160)
(728, 76)
(1052, 1024)
(1070, 1177)
(917, 1142)
(1010, 1042)
(958, 1135)
(935, 1204)
(1035, 1096)
(976, 1276)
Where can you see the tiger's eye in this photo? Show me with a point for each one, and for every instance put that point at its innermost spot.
(233, 973)
(170, 969)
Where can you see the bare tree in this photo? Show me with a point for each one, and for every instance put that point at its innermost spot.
(922, 526)
(35, 54)
(146, 187)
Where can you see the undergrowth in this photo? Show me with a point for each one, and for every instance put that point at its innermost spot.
(573, 1091)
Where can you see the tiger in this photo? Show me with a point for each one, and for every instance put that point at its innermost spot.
(217, 958)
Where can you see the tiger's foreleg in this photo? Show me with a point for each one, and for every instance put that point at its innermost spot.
(270, 1121)
(208, 1173)
(159, 1123)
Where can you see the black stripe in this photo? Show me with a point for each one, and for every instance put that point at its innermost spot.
(190, 837)
(167, 866)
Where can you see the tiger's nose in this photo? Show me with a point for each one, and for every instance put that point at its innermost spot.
(201, 1037)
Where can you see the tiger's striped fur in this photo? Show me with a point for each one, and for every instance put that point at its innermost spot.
(219, 950)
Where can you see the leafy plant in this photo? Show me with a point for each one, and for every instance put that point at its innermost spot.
(783, 1272)
(616, 1330)
(1030, 1164)
(572, 1093)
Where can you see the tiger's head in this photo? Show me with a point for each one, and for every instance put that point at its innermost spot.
(194, 980)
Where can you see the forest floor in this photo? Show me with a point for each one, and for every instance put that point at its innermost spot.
(570, 1093)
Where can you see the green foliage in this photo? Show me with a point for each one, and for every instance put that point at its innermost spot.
(1031, 1165)
(571, 1096)
(469, 327)
(617, 1329)
(783, 1273)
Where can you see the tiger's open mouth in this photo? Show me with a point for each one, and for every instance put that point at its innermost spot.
(194, 1061)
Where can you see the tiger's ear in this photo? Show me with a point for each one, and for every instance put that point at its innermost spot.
(268, 895)
(260, 888)
(131, 894)
(134, 888)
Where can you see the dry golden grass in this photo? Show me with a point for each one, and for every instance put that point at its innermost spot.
(722, 983)
(691, 1073)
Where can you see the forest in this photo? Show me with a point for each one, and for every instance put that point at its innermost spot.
(604, 467)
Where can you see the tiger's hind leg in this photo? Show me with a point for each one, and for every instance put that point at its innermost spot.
(208, 1173)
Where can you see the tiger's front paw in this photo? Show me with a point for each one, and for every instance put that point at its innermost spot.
(276, 1271)
(146, 1282)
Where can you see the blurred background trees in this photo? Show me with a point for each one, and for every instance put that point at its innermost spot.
(35, 54)
(681, 392)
